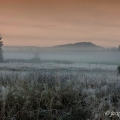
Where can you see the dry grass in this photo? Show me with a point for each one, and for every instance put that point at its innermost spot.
(45, 96)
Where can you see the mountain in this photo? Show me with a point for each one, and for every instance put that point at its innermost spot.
(80, 46)
(76, 46)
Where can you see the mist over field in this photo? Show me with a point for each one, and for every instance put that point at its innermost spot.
(66, 82)
(59, 59)
(81, 56)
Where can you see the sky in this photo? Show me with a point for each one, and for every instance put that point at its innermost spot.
(53, 22)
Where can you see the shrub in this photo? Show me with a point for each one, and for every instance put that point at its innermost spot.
(118, 69)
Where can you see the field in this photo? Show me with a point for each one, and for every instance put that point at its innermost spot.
(58, 91)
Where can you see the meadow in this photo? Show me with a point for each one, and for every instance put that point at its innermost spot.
(53, 91)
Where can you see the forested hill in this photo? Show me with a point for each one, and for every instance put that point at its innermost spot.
(69, 47)
(81, 46)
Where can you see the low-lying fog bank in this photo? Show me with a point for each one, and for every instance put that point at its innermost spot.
(106, 57)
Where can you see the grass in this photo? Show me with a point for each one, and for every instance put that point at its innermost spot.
(58, 96)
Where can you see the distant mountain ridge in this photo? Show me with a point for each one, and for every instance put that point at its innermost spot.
(81, 45)
(76, 46)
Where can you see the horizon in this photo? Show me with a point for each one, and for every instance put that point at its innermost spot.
(60, 45)
(50, 23)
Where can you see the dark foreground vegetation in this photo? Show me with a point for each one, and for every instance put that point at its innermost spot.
(58, 96)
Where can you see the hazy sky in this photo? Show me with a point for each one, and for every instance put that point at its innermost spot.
(53, 22)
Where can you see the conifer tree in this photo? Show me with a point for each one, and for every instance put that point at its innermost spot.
(1, 51)
(119, 48)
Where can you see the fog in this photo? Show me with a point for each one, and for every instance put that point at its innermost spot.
(81, 56)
